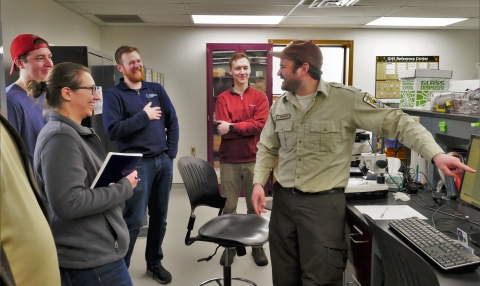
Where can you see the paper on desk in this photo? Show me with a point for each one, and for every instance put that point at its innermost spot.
(389, 212)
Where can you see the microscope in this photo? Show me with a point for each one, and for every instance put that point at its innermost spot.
(366, 163)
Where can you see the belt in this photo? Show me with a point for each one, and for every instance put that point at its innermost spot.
(299, 192)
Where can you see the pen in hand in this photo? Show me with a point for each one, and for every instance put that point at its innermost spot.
(384, 212)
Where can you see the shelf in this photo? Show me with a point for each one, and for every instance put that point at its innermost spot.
(223, 52)
(227, 63)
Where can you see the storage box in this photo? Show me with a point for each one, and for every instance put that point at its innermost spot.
(219, 72)
(416, 86)
(425, 73)
(394, 181)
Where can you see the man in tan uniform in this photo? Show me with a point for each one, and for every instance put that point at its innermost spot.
(311, 128)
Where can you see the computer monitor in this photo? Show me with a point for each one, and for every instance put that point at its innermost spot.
(470, 187)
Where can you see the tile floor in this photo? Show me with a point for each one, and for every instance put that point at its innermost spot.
(181, 260)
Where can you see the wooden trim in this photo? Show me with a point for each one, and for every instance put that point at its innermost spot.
(348, 44)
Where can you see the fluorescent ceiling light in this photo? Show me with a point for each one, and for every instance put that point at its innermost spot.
(236, 20)
(407, 21)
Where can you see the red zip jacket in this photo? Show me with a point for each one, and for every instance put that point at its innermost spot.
(249, 114)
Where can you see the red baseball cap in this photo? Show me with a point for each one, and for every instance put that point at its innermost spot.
(23, 44)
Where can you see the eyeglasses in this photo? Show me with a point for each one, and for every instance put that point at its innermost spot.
(93, 89)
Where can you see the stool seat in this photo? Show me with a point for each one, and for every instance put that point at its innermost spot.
(228, 230)
(236, 230)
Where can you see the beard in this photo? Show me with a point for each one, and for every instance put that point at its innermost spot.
(291, 85)
(134, 78)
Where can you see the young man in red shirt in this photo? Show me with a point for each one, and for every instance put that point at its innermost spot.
(241, 113)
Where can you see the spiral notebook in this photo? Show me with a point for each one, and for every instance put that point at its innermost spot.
(115, 167)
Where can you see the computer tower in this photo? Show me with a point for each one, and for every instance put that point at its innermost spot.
(102, 67)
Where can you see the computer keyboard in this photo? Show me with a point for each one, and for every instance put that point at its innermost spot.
(448, 254)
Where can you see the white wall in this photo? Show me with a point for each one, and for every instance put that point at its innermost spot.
(180, 53)
(47, 19)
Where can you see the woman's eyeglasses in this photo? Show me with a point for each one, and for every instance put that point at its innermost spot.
(93, 89)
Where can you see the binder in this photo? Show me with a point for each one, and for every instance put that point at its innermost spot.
(115, 167)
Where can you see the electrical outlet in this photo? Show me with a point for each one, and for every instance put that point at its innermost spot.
(193, 151)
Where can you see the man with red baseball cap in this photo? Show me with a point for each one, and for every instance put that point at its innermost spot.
(311, 128)
(32, 58)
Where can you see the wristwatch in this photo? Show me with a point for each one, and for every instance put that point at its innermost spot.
(230, 127)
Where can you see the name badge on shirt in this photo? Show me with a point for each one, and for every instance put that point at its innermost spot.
(372, 101)
(283, 116)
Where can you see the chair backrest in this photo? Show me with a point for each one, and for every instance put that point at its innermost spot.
(402, 266)
(201, 183)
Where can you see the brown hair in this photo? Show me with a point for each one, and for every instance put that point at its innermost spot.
(23, 57)
(60, 76)
(122, 50)
(236, 57)
(313, 72)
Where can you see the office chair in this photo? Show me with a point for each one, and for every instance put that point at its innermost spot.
(229, 230)
(402, 266)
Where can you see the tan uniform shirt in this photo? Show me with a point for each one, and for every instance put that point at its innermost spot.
(315, 145)
(25, 234)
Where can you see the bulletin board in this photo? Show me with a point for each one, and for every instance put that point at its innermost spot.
(387, 84)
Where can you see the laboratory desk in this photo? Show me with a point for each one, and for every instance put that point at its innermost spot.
(364, 260)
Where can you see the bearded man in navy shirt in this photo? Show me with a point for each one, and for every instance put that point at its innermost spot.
(140, 118)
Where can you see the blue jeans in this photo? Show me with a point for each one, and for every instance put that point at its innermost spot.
(153, 190)
(112, 274)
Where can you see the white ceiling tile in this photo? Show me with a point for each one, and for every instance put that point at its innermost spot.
(92, 18)
(245, 2)
(474, 23)
(130, 1)
(176, 12)
(132, 9)
(397, 28)
(447, 3)
(235, 26)
(435, 12)
(239, 9)
(399, 3)
(344, 11)
(167, 19)
(74, 8)
(459, 28)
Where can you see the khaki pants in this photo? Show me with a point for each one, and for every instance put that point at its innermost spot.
(307, 238)
(235, 176)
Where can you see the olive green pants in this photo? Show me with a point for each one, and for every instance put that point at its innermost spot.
(307, 238)
(235, 177)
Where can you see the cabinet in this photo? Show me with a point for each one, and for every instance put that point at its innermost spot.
(359, 262)
(219, 80)
(102, 69)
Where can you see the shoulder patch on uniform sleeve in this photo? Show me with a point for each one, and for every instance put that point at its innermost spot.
(372, 101)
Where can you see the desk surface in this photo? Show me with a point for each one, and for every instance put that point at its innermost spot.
(459, 117)
(445, 278)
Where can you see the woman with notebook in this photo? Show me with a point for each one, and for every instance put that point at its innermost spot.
(87, 224)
